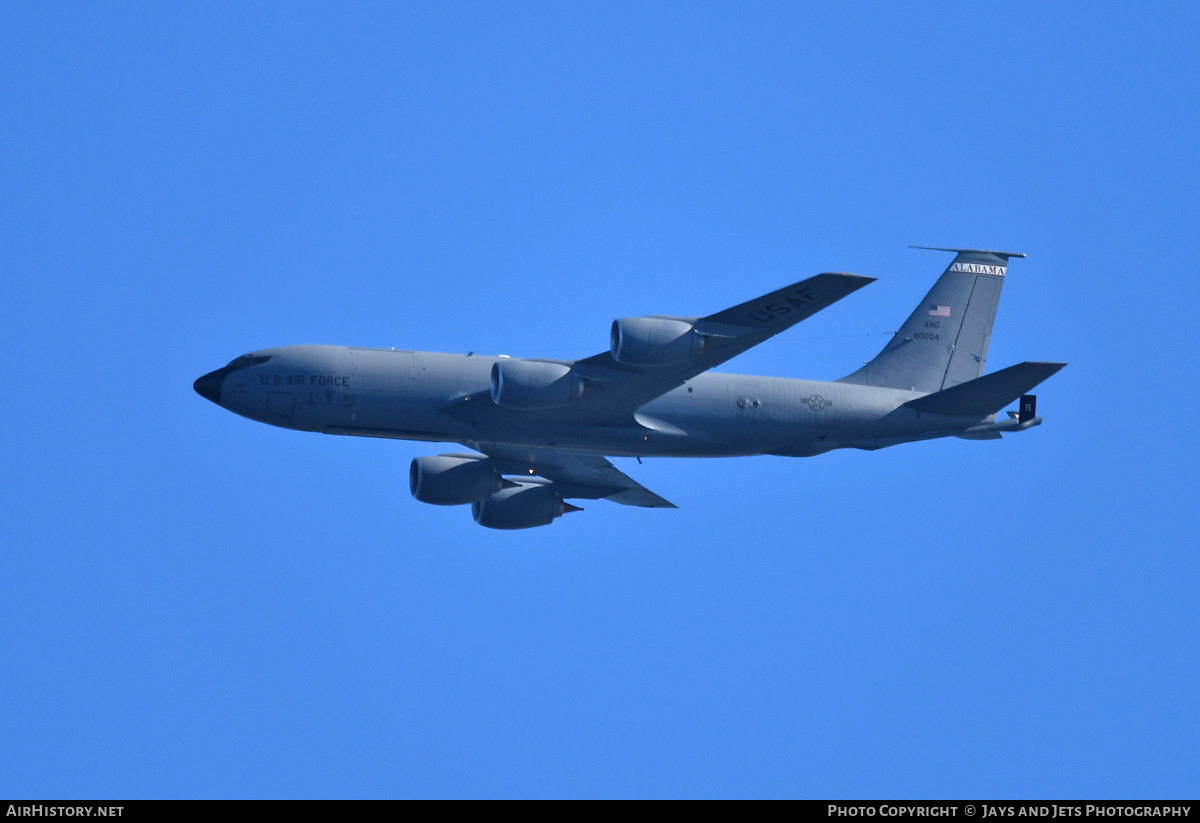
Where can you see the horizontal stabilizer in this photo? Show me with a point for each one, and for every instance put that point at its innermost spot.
(1004, 254)
(988, 394)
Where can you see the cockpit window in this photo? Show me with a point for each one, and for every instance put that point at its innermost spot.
(247, 360)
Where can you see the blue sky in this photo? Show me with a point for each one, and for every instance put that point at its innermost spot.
(194, 605)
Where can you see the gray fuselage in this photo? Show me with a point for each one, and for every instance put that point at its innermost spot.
(445, 398)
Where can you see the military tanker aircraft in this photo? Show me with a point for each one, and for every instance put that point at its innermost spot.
(540, 429)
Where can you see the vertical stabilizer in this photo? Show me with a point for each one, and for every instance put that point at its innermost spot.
(945, 340)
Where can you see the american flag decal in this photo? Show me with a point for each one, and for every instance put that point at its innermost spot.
(939, 311)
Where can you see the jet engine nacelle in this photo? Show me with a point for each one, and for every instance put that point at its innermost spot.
(522, 507)
(452, 479)
(653, 341)
(533, 384)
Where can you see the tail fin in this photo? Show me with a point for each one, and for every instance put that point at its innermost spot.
(945, 340)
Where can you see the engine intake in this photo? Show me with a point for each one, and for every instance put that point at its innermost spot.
(533, 384)
(453, 479)
(654, 341)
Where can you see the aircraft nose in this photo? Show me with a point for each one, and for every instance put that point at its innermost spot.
(209, 386)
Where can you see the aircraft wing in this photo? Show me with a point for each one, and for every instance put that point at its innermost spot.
(574, 474)
(617, 387)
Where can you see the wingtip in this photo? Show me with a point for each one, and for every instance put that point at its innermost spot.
(851, 276)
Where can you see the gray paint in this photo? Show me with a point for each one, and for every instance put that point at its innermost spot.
(680, 410)
(945, 340)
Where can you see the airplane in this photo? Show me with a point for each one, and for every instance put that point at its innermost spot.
(540, 429)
